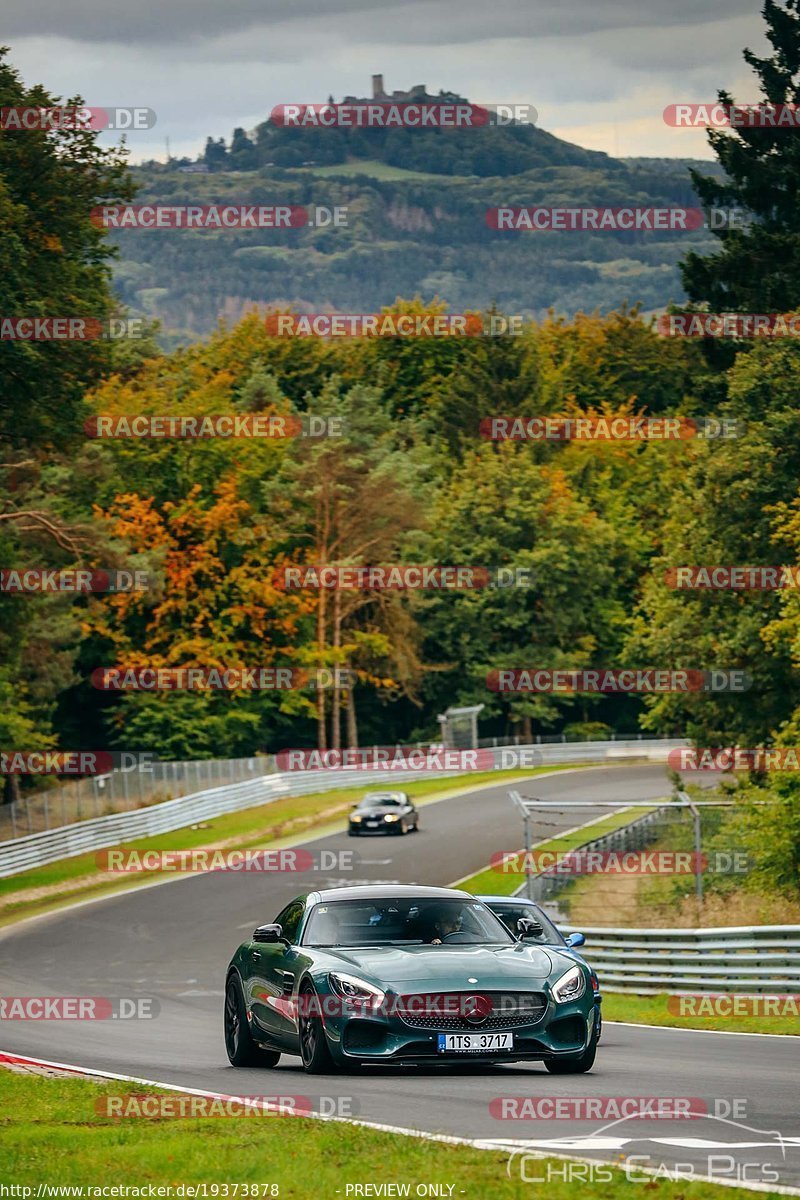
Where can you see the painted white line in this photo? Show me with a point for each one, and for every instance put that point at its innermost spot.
(719, 1032)
(618, 1143)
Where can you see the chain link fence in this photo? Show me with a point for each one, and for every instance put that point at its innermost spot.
(557, 739)
(638, 835)
(149, 783)
(123, 791)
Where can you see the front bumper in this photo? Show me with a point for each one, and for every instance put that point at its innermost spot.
(563, 1029)
(381, 827)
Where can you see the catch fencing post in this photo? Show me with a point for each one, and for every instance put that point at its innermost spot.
(686, 800)
(526, 833)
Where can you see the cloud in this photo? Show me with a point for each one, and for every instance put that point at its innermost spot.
(599, 73)
(410, 22)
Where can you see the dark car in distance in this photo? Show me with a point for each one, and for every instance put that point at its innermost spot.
(384, 812)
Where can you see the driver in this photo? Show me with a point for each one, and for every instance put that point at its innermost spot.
(444, 920)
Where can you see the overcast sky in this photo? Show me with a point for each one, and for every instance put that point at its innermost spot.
(599, 72)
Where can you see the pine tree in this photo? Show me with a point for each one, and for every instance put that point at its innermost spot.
(758, 268)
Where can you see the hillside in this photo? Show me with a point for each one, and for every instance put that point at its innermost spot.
(417, 204)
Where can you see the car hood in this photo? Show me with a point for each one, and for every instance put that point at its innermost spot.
(452, 967)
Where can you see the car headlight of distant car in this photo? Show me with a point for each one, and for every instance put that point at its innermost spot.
(391, 817)
(570, 986)
(352, 988)
(356, 818)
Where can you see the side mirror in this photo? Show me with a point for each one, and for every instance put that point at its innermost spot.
(268, 933)
(528, 927)
(575, 939)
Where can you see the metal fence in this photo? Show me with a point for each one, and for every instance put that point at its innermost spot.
(752, 959)
(152, 783)
(548, 739)
(643, 831)
(96, 833)
(761, 959)
(123, 791)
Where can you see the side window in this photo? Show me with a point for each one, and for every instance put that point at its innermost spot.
(290, 919)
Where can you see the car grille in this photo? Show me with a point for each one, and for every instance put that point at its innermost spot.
(508, 1010)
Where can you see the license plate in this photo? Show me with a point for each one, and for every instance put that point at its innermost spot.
(372, 823)
(472, 1042)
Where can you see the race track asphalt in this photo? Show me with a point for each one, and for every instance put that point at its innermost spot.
(173, 942)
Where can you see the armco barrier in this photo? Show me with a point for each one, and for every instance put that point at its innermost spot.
(758, 959)
(66, 841)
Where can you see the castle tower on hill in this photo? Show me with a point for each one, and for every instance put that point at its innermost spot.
(417, 93)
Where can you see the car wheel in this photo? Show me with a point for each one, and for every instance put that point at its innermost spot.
(575, 1064)
(242, 1050)
(352, 833)
(314, 1049)
(403, 829)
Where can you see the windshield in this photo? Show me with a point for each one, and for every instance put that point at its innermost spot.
(510, 913)
(406, 921)
(381, 802)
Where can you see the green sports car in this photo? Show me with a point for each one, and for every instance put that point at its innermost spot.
(404, 974)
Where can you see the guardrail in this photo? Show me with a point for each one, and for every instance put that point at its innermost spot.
(122, 791)
(98, 833)
(753, 959)
(154, 782)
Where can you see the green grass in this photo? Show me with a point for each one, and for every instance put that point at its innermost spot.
(50, 1132)
(282, 822)
(494, 882)
(377, 170)
(653, 1010)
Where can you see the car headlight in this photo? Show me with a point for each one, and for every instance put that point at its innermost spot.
(391, 817)
(353, 988)
(570, 986)
(355, 817)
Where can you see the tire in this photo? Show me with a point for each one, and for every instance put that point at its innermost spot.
(403, 829)
(352, 833)
(241, 1049)
(575, 1064)
(314, 1051)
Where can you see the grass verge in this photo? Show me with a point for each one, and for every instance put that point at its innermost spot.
(52, 1134)
(290, 819)
(654, 1010)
